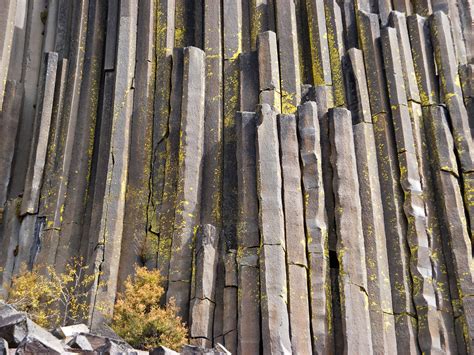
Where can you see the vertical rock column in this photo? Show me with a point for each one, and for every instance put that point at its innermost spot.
(269, 70)
(421, 267)
(8, 129)
(385, 300)
(249, 334)
(451, 96)
(249, 85)
(427, 81)
(79, 121)
(20, 235)
(30, 69)
(230, 301)
(49, 208)
(467, 82)
(7, 22)
(319, 43)
(350, 243)
(402, 46)
(315, 220)
(37, 159)
(203, 286)
(273, 276)
(232, 47)
(296, 260)
(168, 202)
(378, 278)
(101, 145)
(79, 114)
(290, 82)
(165, 38)
(262, 18)
(189, 179)
(335, 32)
(106, 258)
(137, 198)
(457, 242)
(389, 176)
(211, 196)
(323, 95)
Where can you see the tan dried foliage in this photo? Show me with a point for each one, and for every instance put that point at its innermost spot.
(57, 299)
(141, 320)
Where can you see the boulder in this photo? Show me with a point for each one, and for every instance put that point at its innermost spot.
(101, 344)
(13, 328)
(21, 332)
(80, 342)
(195, 350)
(163, 350)
(3, 347)
(39, 343)
(71, 330)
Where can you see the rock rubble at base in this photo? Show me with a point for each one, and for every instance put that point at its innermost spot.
(20, 335)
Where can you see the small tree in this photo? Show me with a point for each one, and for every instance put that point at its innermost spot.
(139, 318)
(53, 300)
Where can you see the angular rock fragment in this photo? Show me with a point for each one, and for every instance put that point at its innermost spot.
(71, 330)
(23, 333)
(4, 348)
(163, 350)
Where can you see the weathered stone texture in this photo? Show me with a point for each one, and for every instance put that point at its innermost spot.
(189, 178)
(350, 244)
(299, 171)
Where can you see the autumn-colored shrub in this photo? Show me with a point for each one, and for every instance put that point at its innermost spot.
(54, 300)
(139, 318)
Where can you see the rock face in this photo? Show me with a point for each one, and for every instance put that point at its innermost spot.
(301, 172)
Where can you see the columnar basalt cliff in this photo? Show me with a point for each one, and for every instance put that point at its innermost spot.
(300, 171)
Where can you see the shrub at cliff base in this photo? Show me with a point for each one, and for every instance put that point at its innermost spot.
(52, 299)
(139, 318)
